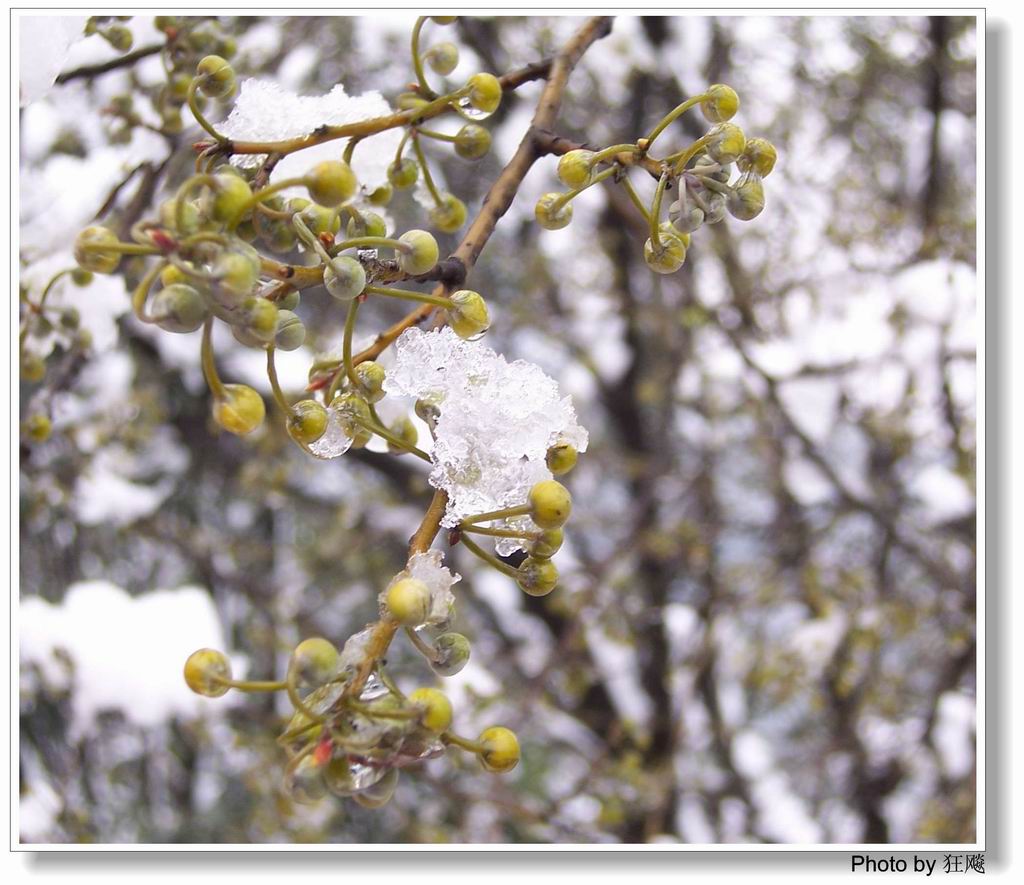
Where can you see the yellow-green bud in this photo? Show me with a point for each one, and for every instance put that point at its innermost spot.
(217, 77)
(726, 143)
(574, 169)
(452, 654)
(382, 195)
(370, 378)
(408, 601)
(179, 307)
(485, 92)
(240, 410)
(38, 428)
(551, 216)
(291, 333)
(231, 196)
(423, 254)
(307, 422)
(443, 58)
(89, 251)
(204, 671)
(344, 278)
(721, 104)
(758, 156)
(406, 431)
(468, 314)
(437, 709)
(472, 142)
(403, 173)
(546, 544)
(366, 224)
(449, 215)
(537, 577)
(670, 253)
(33, 367)
(746, 200)
(314, 661)
(561, 458)
(501, 749)
(550, 504)
(331, 183)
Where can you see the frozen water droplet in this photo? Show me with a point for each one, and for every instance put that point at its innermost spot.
(469, 112)
(335, 441)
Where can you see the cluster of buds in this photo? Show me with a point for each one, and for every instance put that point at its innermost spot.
(701, 175)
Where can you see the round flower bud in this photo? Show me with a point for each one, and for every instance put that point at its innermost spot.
(452, 654)
(204, 671)
(472, 142)
(320, 220)
(574, 169)
(411, 101)
(331, 183)
(408, 601)
(89, 251)
(715, 207)
(726, 143)
(217, 77)
(442, 58)
(291, 333)
(406, 431)
(171, 275)
(685, 216)
(546, 544)
(550, 216)
(354, 414)
(366, 224)
(747, 198)
(33, 368)
(179, 308)
(423, 255)
(304, 783)
(537, 577)
(382, 195)
(37, 428)
(314, 661)
(289, 302)
(484, 92)
(550, 504)
(81, 277)
(379, 794)
(231, 196)
(237, 275)
(721, 104)
(449, 215)
(670, 253)
(403, 173)
(468, 315)
(119, 37)
(171, 122)
(279, 235)
(501, 749)
(307, 422)
(177, 89)
(437, 709)
(258, 316)
(190, 220)
(758, 156)
(240, 411)
(561, 458)
(344, 278)
(370, 378)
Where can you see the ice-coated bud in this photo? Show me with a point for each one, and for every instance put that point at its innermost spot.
(449, 215)
(89, 251)
(561, 458)
(550, 504)
(537, 577)
(423, 253)
(406, 431)
(550, 215)
(216, 77)
(379, 794)
(668, 256)
(452, 654)
(501, 749)
(205, 671)
(436, 709)
(484, 92)
(240, 410)
(291, 333)
(314, 661)
(370, 377)
(307, 422)
(472, 142)
(758, 156)
(344, 278)
(304, 781)
(468, 314)
(726, 143)
(179, 308)
(721, 104)
(443, 58)
(746, 200)
(546, 544)
(408, 601)
(574, 168)
(403, 173)
(331, 183)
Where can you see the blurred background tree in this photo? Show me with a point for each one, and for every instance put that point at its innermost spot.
(766, 626)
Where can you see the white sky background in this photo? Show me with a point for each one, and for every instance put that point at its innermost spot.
(74, 188)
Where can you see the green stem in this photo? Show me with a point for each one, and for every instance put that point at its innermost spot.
(489, 558)
(142, 292)
(310, 239)
(407, 295)
(655, 217)
(463, 743)
(293, 695)
(428, 651)
(370, 712)
(200, 119)
(613, 151)
(275, 385)
(428, 179)
(557, 205)
(50, 285)
(346, 344)
(121, 248)
(370, 243)
(498, 533)
(505, 513)
(683, 157)
(262, 194)
(673, 115)
(243, 685)
(417, 59)
(187, 185)
(209, 367)
(437, 136)
(635, 197)
(396, 441)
